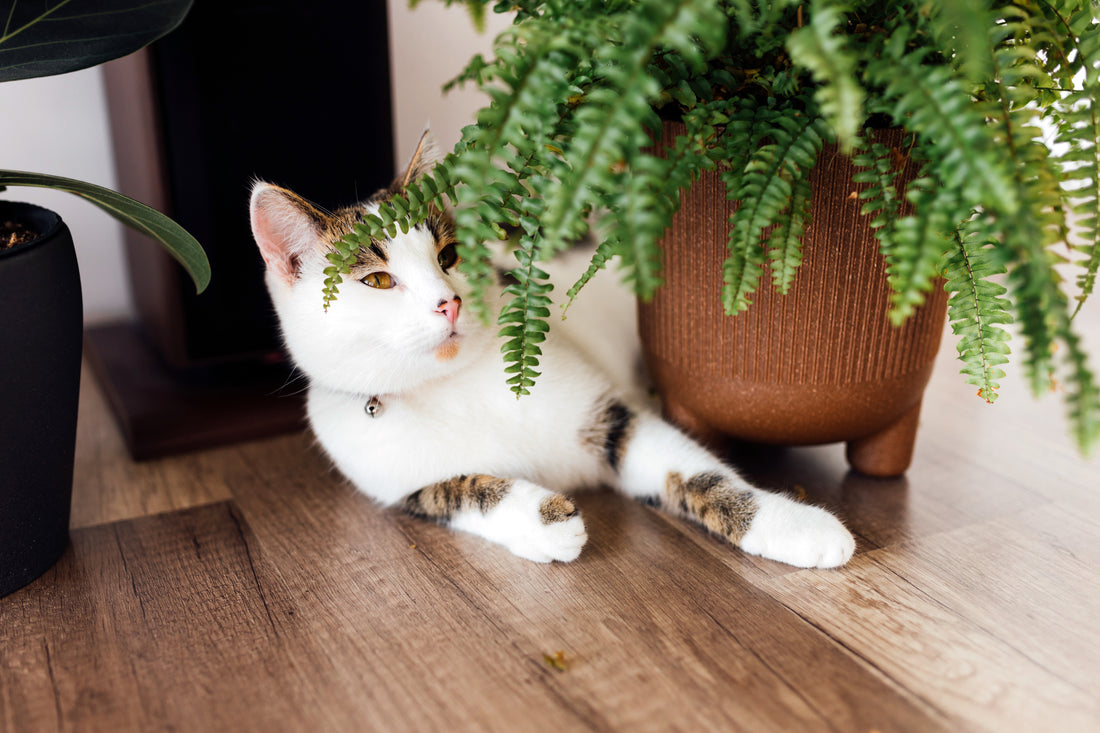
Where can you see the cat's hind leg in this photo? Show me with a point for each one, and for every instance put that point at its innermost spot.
(531, 521)
(653, 461)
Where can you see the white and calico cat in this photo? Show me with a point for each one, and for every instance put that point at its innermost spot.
(408, 397)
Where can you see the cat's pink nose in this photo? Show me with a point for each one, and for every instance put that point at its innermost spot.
(449, 308)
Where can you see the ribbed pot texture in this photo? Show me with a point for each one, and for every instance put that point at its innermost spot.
(821, 364)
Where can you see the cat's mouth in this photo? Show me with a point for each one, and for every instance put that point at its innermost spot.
(450, 347)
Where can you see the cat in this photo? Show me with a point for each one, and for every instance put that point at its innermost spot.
(407, 396)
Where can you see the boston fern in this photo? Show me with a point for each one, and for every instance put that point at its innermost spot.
(579, 90)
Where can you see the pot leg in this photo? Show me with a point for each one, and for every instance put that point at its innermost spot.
(686, 420)
(887, 453)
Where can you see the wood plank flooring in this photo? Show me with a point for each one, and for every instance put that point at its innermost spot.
(248, 588)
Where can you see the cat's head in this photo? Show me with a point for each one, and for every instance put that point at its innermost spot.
(399, 319)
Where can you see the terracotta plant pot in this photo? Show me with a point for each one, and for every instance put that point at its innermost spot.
(821, 364)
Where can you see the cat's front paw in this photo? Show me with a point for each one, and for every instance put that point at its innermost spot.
(798, 534)
(532, 522)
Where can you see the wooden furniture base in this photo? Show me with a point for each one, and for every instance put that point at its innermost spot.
(162, 412)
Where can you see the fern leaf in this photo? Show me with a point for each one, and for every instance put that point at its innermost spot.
(1083, 396)
(603, 254)
(964, 25)
(1079, 130)
(1037, 224)
(977, 310)
(881, 197)
(532, 63)
(1086, 279)
(930, 101)
(819, 48)
(638, 220)
(523, 320)
(691, 153)
(765, 192)
(607, 129)
(402, 211)
(914, 248)
(746, 128)
(1035, 299)
(785, 240)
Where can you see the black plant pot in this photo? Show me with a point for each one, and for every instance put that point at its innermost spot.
(41, 315)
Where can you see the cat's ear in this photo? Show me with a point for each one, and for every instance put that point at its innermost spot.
(285, 227)
(425, 158)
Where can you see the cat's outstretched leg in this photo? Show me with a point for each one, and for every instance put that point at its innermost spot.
(531, 521)
(655, 462)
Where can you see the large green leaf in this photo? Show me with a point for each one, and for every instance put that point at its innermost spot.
(132, 213)
(57, 36)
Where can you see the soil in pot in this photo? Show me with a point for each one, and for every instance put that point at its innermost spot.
(13, 233)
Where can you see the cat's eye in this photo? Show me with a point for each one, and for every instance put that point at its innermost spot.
(448, 256)
(380, 280)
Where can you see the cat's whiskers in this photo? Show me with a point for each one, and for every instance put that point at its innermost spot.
(296, 376)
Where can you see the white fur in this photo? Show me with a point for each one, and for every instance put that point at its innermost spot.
(784, 530)
(448, 417)
(514, 523)
(797, 534)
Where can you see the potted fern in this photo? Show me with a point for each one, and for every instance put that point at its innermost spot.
(40, 305)
(937, 106)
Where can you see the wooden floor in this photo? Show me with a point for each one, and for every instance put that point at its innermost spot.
(249, 589)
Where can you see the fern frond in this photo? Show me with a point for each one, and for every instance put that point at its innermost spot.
(605, 250)
(508, 145)
(403, 211)
(746, 128)
(603, 140)
(637, 219)
(913, 244)
(524, 319)
(819, 48)
(692, 152)
(1083, 396)
(1076, 66)
(963, 25)
(608, 126)
(1038, 223)
(1035, 298)
(977, 310)
(477, 71)
(930, 101)
(881, 198)
(1086, 279)
(914, 247)
(785, 240)
(765, 192)
(1078, 128)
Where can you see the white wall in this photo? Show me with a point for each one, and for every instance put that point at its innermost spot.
(428, 47)
(59, 125)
